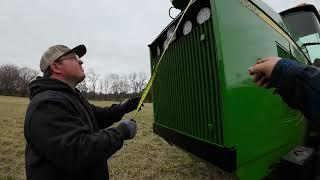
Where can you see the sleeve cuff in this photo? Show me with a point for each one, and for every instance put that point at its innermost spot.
(283, 68)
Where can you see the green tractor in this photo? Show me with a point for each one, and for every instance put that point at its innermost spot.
(205, 102)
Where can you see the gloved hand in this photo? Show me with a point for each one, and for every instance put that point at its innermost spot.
(128, 128)
(129, 104)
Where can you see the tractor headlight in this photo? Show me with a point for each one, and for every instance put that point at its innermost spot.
(158, 51)
(187, 27)
(170, 33)
(165, 43)
(203, 15)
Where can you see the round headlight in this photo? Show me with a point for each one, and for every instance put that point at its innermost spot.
(203, 15)
(158, 51)
(170, 33)
(165, 43)
(187, 27)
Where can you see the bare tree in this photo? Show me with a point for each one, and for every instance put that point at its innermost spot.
(137, 81)
(93, 77)
(107, 83)
(83, 86)
(101, 86)
(114, 79)
(133, 80)
(26, 75)
(123, 84)
(9, 78)
(142, 80)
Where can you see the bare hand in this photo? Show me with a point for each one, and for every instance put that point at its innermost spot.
(261, 71)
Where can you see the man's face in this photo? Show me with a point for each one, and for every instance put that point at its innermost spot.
(70, 67)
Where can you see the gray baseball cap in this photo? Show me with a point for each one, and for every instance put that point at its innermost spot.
(55, 52)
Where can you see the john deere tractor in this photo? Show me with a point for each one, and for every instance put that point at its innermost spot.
(206, 103)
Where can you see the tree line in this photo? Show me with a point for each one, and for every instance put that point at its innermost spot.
(14, 81)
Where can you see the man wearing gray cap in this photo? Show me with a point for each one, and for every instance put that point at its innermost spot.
(67, 137)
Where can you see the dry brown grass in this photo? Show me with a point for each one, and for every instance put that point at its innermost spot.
(146, 157)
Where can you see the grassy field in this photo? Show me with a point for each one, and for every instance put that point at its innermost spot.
(146, 157)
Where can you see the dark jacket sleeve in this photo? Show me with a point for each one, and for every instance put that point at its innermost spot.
(108, 115)
(57, 133)
(299, 87)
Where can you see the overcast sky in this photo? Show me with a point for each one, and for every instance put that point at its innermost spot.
(116, 33)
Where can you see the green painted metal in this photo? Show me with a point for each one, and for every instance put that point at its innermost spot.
(185, 93)
(203, 88)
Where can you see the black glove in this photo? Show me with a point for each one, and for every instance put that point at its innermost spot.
(129, 104)
(128, 128)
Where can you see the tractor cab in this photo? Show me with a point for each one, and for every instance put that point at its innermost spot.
(303, 24)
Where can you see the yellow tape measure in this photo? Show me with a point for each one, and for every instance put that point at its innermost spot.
(150, 82)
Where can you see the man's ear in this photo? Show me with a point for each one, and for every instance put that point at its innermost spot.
(55, 68)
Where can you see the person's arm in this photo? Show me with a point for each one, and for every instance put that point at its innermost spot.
(108, 115)
(298, 85)
(56, 131)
